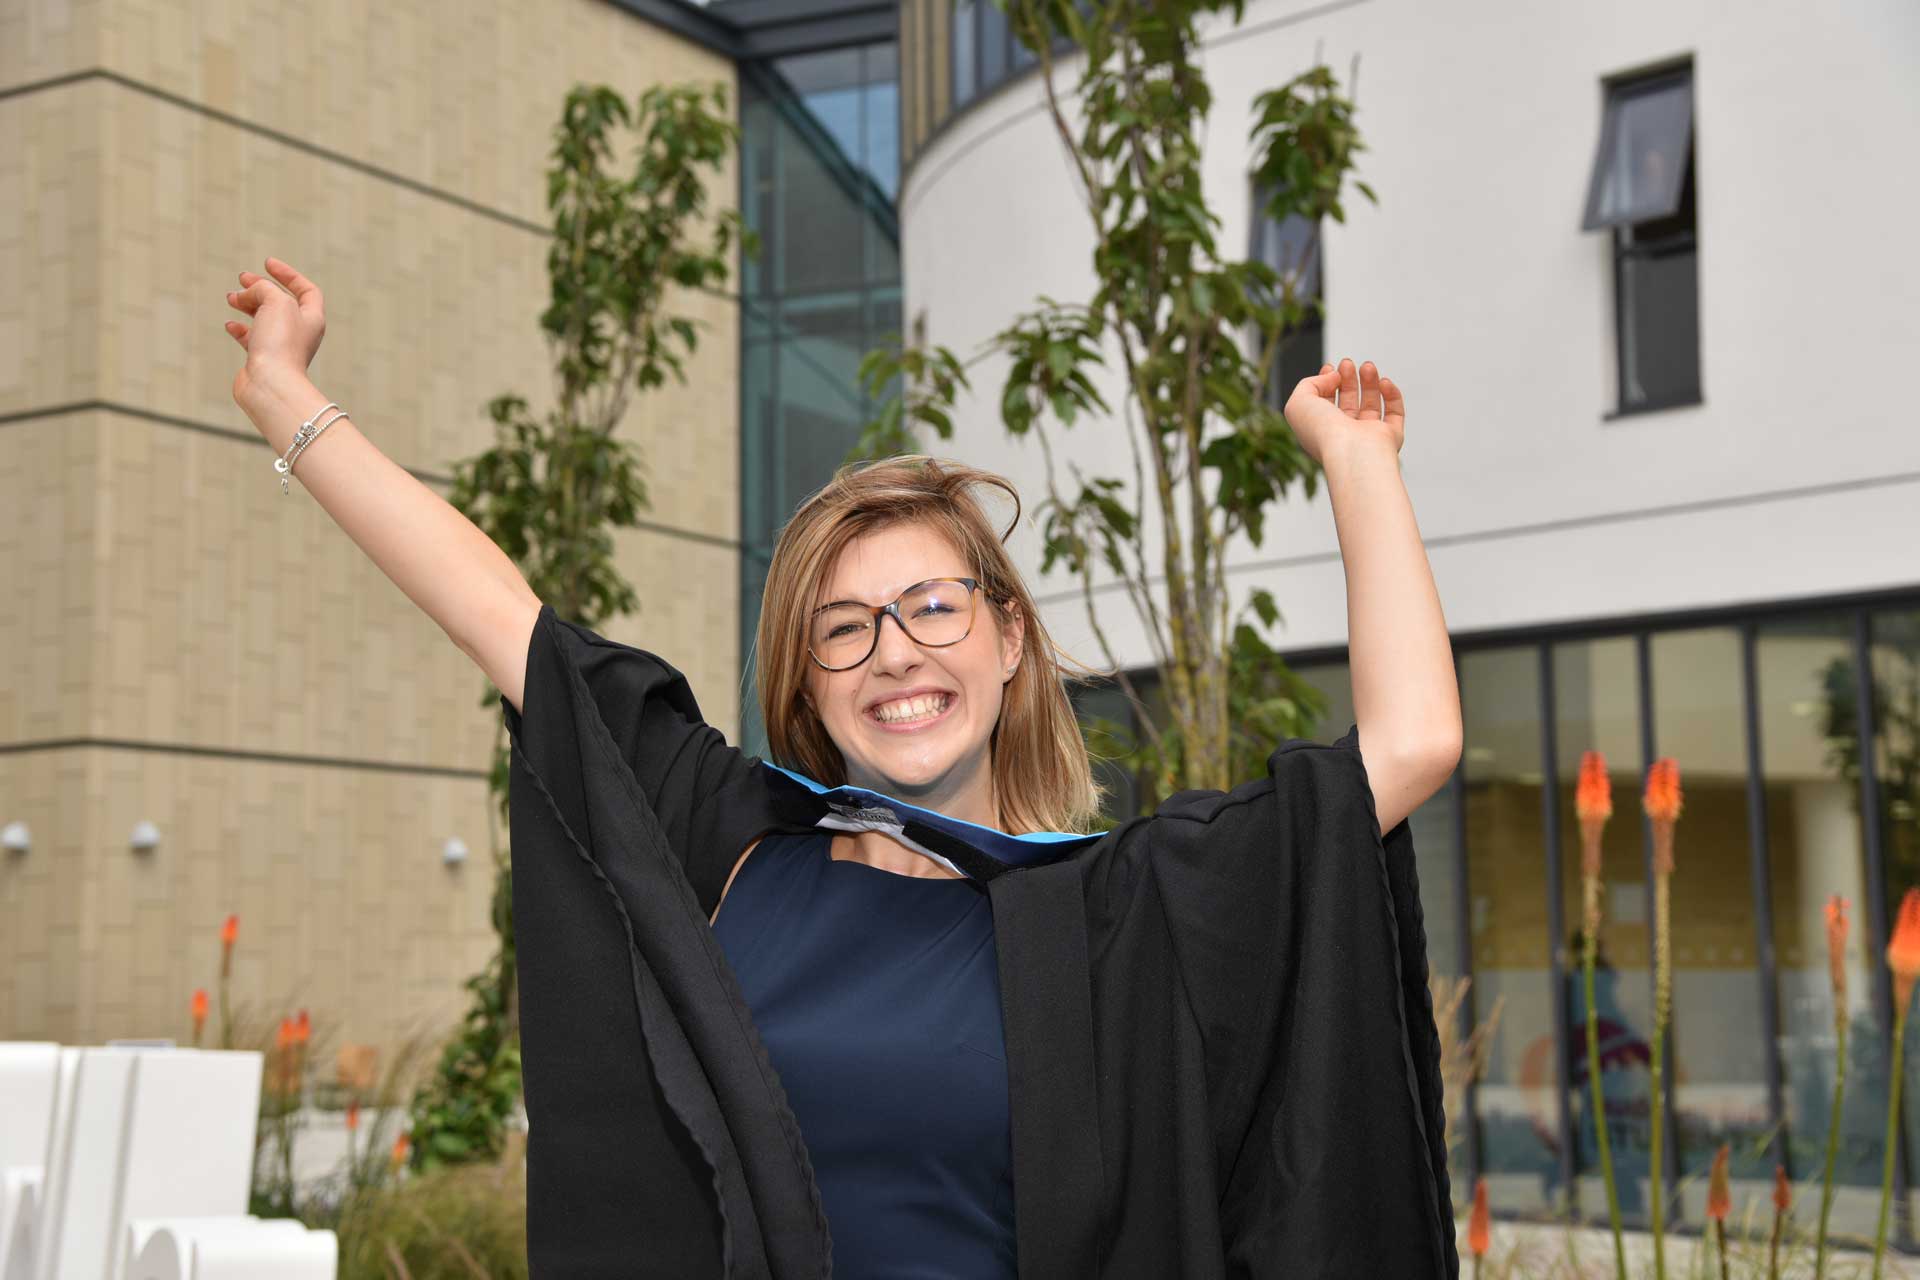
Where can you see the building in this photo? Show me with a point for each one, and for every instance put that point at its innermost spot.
(1621, 321)
(214, 702)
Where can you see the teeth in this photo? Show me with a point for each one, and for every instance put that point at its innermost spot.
(920, 708)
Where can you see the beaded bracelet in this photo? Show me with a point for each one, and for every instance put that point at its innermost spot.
(301, 439)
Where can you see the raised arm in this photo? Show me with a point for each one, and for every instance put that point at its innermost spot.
(437, 557)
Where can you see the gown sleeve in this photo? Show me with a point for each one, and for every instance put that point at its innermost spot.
(711, 798)
(659, 1140)
(1298, 938)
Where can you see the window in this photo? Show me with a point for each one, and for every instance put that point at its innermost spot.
(1642, 193)
(985, 51)
(964, 33)
(995, 37)
(1291, 246)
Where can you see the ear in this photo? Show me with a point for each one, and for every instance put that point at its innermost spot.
(1013, 633)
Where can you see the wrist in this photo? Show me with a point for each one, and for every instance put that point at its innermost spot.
(1360, 452)
(279, 403)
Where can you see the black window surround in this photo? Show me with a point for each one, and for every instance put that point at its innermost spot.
(1641, 191)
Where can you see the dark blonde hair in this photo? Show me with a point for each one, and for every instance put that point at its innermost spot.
(1042, 773)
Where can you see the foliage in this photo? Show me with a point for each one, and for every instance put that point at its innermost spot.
(456, 1223)
(1463, 1059)
(1209, 453)
(460, 1221)
(553, 487)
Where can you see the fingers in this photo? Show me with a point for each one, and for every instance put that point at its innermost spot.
(1369, 390)
(255, 291)
(1395, 403)
(304, 291)
(1349, 387)
(1364, 391)
(1322, 383)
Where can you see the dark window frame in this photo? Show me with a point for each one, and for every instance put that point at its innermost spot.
(1672, 236)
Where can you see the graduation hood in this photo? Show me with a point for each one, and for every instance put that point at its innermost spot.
(978, 852)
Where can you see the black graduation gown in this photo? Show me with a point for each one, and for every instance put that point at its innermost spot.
(1222, 1058)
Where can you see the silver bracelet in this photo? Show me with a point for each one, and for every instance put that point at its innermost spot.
(301, 439)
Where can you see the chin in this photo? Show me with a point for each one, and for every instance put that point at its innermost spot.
(901, 776)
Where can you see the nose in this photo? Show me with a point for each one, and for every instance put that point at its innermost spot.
(894, 651)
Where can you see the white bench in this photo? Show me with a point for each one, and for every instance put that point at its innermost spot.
(229, 1249)
(148, 1150)
(29, 1085)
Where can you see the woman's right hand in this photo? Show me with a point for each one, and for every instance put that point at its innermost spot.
(288, 322)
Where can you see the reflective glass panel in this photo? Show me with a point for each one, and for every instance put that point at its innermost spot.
(1516, 1103)
(1810, 742)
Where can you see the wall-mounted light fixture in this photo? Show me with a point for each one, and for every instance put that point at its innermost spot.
(454, 851)
(15, 838)
(145, 838)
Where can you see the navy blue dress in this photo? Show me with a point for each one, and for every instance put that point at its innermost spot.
(878, 998)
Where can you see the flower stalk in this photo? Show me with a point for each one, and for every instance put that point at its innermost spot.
(1837, 978)
(1593, 805)
(229, 933)
(1782, 1200)
(1661, 802)
(1719, 1204)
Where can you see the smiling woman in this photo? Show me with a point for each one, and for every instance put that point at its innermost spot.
(942, 1026)
(907, 542)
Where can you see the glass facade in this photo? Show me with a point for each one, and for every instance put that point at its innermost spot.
(820, 171)
(956, 52)
(1817, 845)
(1799, 777)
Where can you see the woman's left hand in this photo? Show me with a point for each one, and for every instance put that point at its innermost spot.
(1370, 407)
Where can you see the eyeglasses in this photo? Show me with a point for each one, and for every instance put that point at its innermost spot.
(935, 613)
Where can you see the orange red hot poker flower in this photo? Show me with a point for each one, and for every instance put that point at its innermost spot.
(1480, 1225)
(1592, 805)
(199, 1010)
(1903, 951)
(1837, 948)
(1662, 804)
(1719, 1194)
(229, 933)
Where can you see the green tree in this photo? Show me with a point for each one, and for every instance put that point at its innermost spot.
(553, 488)
(1195, 336)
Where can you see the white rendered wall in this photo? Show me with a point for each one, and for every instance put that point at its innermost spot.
(1472, 285)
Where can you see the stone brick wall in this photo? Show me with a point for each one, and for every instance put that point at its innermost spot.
(183, 644)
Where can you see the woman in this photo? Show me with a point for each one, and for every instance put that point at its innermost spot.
(891, 1009)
